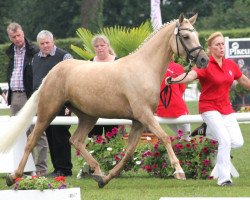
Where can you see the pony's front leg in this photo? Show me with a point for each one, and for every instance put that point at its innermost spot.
(155, 128)
(133, 139)
(32, 139)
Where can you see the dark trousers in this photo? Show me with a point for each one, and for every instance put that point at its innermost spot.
(98, 130)
(59, 146)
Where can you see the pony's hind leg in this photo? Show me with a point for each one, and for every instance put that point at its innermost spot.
(133, 139)
(85, 125)
(32, 140)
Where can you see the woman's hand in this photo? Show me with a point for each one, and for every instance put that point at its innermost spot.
(168, 80)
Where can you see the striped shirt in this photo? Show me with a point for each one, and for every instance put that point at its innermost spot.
(16, 81)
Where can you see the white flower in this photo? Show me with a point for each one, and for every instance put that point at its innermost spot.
(114, 163)
(109, 149)
(91, 139)
(148, 138)
(138, 162)
(92, 151)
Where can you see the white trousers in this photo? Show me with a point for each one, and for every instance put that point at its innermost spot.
(225, 129)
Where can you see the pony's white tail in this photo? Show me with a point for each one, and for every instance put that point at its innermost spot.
(20, 123)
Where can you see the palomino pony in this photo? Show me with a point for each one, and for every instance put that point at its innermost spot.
(127, 88)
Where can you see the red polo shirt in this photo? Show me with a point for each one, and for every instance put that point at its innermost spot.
(216, 82)
(177, 106)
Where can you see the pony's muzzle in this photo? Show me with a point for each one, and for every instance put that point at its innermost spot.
(202, 60)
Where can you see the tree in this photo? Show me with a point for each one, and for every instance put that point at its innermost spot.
(129, 13)
(4, 5)
(92, 14)
(225, 16)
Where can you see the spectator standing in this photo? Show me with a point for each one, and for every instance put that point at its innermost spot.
(57, 135)
(214, 103)
(104, 53)
(20, 78)
(177, 106)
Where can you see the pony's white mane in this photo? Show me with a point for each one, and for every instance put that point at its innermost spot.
(152, 34)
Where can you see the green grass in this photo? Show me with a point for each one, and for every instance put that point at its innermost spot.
(141, 186)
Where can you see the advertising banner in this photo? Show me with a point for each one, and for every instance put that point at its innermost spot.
(238, 49)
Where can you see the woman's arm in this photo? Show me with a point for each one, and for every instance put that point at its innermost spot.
(192, 75)
(244, 81)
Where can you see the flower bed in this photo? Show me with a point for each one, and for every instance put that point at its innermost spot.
(195, 156)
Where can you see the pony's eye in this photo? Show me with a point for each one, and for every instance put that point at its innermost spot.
(185, 37)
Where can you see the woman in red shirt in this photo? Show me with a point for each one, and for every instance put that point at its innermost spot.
(214, 103)
(177, 107)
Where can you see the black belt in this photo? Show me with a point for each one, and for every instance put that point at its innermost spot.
(18, 91)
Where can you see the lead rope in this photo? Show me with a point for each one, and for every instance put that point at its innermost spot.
(168, 89)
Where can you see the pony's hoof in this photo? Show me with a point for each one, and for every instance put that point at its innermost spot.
(180, 175)
(99, 180)
(9, 180)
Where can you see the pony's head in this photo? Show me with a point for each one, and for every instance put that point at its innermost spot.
(185, 42)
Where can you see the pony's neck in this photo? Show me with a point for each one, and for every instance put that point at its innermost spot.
(156, 51)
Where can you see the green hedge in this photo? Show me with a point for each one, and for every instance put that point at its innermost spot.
(65, 44)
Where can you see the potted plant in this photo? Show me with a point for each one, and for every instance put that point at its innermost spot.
(40, 188)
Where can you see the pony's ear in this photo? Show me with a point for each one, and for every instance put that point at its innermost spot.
(192, 20)
(181, 18)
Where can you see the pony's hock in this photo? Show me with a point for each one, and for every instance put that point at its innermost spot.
(121, 89)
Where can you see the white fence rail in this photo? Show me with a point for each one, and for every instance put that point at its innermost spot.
(241, 117)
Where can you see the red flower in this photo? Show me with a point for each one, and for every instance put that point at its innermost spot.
(99, 139)
(188, 163)
(109, 135)
(156, 154)
(154, 166)
(78, 153)
(205, 150)
(213, 142)
(178, 146)
(206, 162)
(117, 158)
(60, 179)
(148, 168)
(18, 179)
(172, 138)
(156, 146)
(114, 131)
(188, 145)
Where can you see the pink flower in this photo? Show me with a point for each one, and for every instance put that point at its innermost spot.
(206, 162)
(114, 130)
(164, 165)
(213, 142)
(109, 135)
(180, 133)
(156, 146)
